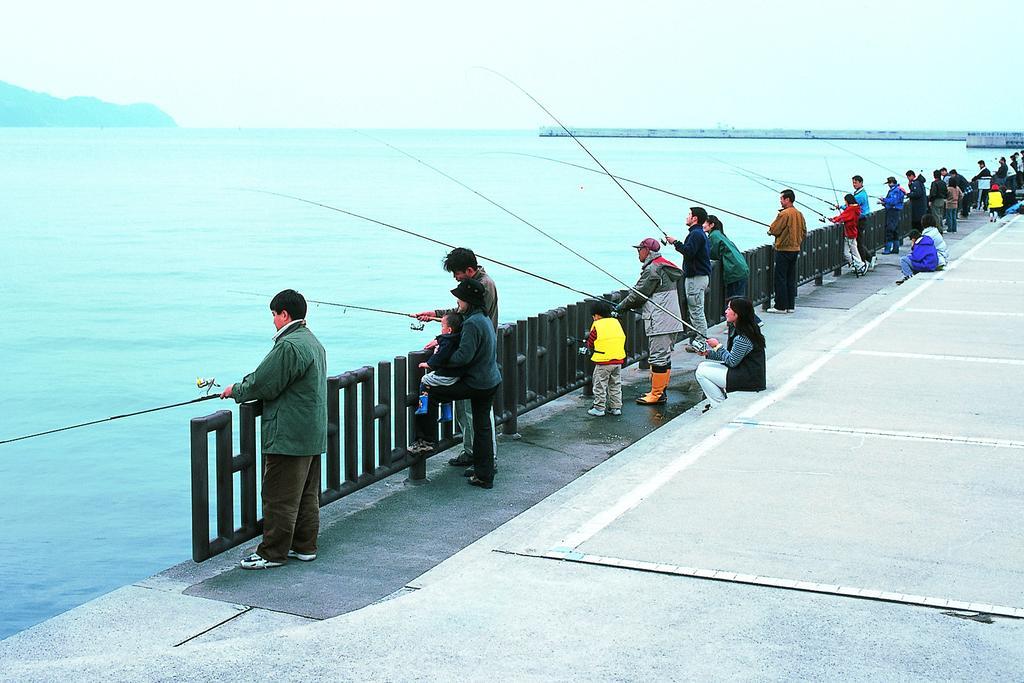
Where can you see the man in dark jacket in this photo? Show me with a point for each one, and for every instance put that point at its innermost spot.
(957, 180)
(476, 361)
(292, 383)
(918, 198)
(462, 264)
(937, 196)
(696, 269)
(984, 180)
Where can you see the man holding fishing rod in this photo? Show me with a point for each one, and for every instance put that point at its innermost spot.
(789, 229)
(696, 268)
(292, 383)
(657, 294)
(462, 264)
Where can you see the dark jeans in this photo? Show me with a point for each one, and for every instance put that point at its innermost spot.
(738, 288)
(785, 279)
(291, 505)
(892, 224)
(481, 401)
(865, 253)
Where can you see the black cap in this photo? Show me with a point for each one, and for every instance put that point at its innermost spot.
(471, 291)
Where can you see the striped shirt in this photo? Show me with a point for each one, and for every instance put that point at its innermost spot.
(741, 346)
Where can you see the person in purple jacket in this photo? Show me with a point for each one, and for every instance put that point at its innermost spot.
(923, 256)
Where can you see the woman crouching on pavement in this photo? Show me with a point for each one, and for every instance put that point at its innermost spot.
(740, 366)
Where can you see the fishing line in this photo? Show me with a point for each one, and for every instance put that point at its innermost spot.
(755, 180)
(833, 183)
(344, 306)
(422, 237)
(641, 184)
(108, 419)
(781, 182)
(582, 146)
(528, 223)
(887, 170)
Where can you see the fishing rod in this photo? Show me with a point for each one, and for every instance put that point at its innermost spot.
(835, 193)
(531, 225)
(200, 383)
(582, 146)
(780, 182)
(887, 170)
(414, 326)
(526, 222)
(765, 185)
(641, 184)
(427, 238)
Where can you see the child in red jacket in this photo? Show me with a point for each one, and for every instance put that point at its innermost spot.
(849, 218)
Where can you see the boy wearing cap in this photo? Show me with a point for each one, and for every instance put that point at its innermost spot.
(655, 293)
(476, 361)
(607, 342)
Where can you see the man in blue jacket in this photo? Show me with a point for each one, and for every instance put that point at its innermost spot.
(696, 269)
(893, 203)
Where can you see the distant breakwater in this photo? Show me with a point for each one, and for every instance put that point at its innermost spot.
(759, 133)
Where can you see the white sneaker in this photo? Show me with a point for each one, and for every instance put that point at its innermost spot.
(776, 310)
(615, 411)
(595, 412)
(302, 557)
(254, 561)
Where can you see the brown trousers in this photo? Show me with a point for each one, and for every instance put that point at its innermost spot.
(291, 505)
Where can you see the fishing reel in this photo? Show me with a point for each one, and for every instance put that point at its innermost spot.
(208, 384)
(417, 326)
(580, 344)
(701, 345)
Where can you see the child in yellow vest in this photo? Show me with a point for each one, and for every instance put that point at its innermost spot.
(607, 341)
(995, 203)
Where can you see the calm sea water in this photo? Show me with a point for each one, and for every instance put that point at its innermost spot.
(122, 248)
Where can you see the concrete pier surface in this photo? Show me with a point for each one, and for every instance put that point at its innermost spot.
(858, 520)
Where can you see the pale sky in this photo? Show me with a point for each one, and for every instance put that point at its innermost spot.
(942, 64)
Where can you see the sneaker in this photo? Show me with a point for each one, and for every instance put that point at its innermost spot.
(615, 411)
(690, 348)
(776, 310)
(596, 412)
(302, 557)
(419, 446)
(462, 460)
(254, 561)
(790, 310)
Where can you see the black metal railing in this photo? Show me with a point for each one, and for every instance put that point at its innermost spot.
(370, 411)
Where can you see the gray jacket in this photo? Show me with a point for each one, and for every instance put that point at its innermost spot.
(657, 285)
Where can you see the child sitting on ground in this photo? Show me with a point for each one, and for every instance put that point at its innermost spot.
(607, 341)
(923, 258)
(444, 346)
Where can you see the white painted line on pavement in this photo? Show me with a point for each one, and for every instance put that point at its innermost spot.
(637, 494)
(786, 584)
(950, 311)
(937, 356)
(980, 281)
(885, 433)
(997, 260)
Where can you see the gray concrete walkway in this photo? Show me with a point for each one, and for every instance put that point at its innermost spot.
(858, 520)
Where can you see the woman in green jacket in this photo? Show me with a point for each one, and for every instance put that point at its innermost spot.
(735, 271)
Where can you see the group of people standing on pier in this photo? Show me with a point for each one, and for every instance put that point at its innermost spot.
(463, 369)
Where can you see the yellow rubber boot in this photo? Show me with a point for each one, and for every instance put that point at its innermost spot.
(659, 383)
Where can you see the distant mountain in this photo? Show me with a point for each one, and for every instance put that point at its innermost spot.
(20, 107)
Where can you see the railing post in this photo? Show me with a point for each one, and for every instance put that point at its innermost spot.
(511, 379)
(334, 427)
(418, 467)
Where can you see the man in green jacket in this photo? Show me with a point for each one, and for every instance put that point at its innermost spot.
(292, 383)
